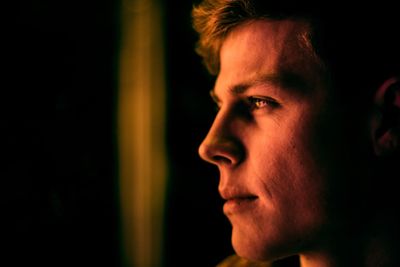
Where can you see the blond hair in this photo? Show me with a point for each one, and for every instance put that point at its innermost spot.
(213, 20)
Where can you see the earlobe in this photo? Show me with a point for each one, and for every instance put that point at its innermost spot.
(386, 118)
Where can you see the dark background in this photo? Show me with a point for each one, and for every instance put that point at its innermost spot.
(60, 147)
(60, 173)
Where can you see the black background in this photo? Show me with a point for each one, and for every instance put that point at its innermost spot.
(60, 173)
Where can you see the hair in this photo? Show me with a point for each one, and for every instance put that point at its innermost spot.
(358, 45)
(214, 19)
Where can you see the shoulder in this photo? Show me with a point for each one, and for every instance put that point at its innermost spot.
(236, 261)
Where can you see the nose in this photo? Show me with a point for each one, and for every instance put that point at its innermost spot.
(222, 144)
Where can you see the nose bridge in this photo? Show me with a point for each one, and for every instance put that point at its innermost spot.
(221, 128)
(222, 143)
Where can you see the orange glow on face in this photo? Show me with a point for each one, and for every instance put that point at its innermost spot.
(269, 139)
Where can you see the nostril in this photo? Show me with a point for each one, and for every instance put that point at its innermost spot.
(221, 159)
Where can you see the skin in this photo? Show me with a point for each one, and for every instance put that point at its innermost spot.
(280, 148)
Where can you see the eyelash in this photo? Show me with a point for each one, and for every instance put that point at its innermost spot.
(254, 103)
(261, 102)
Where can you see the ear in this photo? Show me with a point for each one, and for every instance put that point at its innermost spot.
(386, 118)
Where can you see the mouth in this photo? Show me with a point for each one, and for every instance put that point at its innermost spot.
(241, 198)
(234, 193)
(239, 204)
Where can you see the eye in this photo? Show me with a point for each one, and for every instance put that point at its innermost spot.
(262, 102)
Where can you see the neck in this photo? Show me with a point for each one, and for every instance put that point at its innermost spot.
(373, 248)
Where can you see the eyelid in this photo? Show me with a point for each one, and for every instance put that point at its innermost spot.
(270, 102)
(250, 101)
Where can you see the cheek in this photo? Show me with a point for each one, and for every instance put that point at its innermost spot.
(298, 198)
(288, 172)
(291, 191)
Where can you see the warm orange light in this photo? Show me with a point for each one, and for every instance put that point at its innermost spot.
(141, 133)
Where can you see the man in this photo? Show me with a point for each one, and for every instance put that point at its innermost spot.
(306, 136)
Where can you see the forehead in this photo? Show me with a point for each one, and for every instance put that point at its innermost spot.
(265, 47)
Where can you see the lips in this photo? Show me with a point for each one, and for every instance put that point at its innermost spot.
(236, 195)
(238, 202)
(242, 198)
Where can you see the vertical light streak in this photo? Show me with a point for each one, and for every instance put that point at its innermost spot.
(141, 132)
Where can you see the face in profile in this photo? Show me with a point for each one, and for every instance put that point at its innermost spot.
(272, 139)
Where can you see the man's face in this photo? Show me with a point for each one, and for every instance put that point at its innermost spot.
(272, 139)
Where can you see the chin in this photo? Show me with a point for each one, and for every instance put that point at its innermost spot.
(255, 248)
(249, 248)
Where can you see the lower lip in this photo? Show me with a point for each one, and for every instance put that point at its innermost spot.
(238, 205)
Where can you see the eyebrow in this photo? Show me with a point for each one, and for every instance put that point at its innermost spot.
(287, 81)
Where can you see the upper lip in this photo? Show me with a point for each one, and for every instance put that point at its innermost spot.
(233, 194)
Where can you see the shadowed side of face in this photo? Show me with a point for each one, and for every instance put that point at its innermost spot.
(272, 140)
